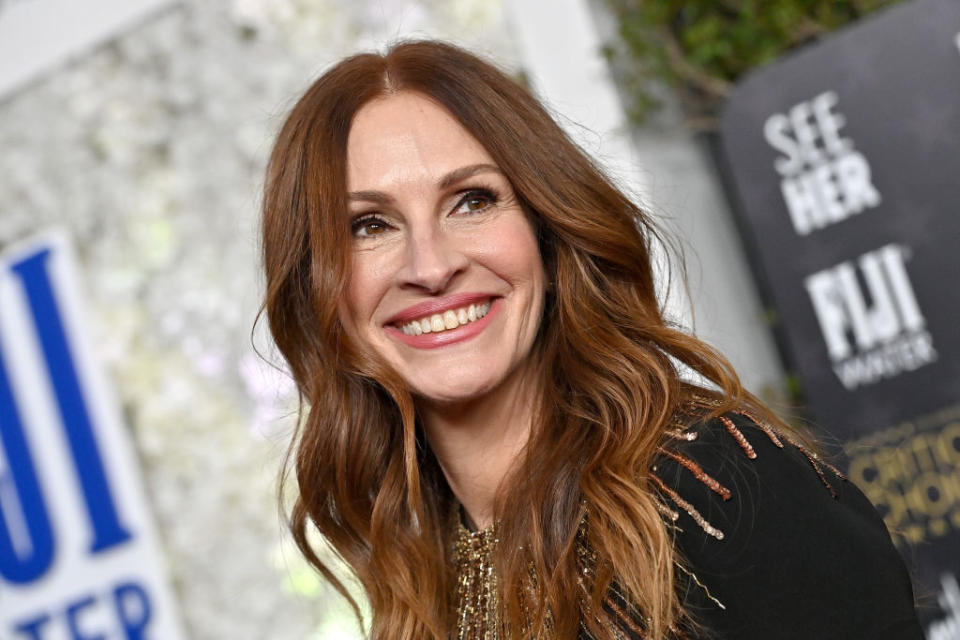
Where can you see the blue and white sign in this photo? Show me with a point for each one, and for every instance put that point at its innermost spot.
(79, 558)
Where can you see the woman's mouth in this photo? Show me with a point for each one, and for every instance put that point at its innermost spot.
(446, 321)
(447, 326)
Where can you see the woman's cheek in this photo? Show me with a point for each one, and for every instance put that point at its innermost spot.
(368, 280)
(509, 245)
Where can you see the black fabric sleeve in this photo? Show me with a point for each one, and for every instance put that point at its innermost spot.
(795, 561)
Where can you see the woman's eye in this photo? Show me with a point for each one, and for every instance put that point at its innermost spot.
(368, 227)
(475, 201)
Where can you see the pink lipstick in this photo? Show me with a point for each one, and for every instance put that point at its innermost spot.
(434, 339)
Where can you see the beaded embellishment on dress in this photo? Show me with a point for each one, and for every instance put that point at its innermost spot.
(689, 435)
(478, 604)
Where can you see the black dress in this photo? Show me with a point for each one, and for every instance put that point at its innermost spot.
(779, 546)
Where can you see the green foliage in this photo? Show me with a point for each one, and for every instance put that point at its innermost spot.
(701, 47)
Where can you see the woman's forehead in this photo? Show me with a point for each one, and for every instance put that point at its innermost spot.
(407, 136)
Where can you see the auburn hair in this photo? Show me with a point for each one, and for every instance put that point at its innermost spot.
(610, 371)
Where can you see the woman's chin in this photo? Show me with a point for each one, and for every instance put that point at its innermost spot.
(453, 389)
(448, 396)
(452, 385)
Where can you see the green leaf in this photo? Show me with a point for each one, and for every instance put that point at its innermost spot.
(715, 40)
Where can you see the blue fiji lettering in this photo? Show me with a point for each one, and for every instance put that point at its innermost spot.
(133, 609)
(32, 629)
(122, 612)
(35, 554)
(74, 614)
(107, 529)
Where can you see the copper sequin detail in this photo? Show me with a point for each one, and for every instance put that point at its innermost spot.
(815, 463)
(738, 436)
(832, 468)
(667, 512)
(689, 508)
(815, 459)
(763, 427)
(478, 603)
(699, 473)
(749, 451)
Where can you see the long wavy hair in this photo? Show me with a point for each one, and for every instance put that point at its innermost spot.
(609, 374)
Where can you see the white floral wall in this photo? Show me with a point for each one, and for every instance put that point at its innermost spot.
(149, 151)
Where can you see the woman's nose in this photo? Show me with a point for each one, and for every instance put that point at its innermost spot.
(432, 261)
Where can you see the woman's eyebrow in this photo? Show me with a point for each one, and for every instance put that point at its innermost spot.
(465, 172)
(447, 181)
(378, 197)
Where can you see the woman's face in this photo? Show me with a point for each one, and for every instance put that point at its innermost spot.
(446, 283)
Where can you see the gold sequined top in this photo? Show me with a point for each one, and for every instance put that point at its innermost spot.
(478, 604)
(477, 598)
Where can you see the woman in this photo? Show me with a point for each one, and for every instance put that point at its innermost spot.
(497, 438)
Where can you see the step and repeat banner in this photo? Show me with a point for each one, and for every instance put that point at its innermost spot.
(845, 159)
(79, 556)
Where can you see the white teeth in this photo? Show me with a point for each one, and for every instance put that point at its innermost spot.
(450, 319)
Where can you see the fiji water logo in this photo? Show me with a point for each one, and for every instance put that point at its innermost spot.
(29, 555)
(74, 562)
(868, 314)
(869, 317)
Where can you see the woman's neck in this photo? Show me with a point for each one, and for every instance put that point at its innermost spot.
(478, 441)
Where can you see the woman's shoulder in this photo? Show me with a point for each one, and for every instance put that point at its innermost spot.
(776, 542)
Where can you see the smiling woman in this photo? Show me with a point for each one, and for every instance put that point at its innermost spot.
(439, 235)
(497, 437)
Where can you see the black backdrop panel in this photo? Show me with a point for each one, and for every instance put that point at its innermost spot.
(844, 158)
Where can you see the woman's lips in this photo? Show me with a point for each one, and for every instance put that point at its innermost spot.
(437, 305)
(442, 338)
